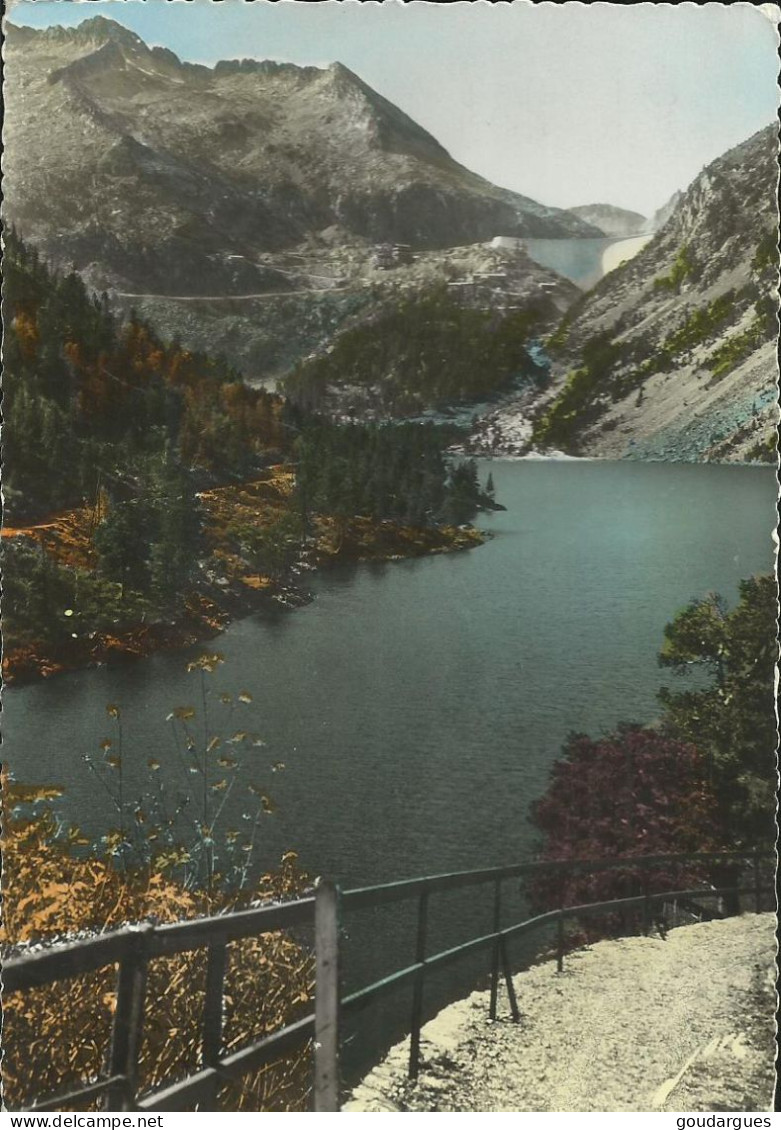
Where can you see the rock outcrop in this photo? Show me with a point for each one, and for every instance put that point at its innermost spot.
(672, 356)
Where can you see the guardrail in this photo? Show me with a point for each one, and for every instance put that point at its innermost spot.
(131, 949)
(497, 937)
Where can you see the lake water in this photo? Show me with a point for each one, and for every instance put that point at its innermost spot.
(418, 705)
(584, 261)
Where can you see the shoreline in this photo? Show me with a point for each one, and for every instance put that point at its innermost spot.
(207, 614)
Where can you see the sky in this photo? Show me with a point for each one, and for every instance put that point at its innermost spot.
(566, 103)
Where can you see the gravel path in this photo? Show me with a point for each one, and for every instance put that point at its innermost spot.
(684, 1023)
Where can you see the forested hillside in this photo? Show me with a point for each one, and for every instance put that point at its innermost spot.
(92, 402)
(144, 483)
(424, 350)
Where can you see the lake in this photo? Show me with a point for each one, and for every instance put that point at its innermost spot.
(584, 261)
(418, 705)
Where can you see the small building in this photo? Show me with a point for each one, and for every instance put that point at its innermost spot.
(402, 254)
(462, 290)
(383, 257)
(390, 255)
(495, 277)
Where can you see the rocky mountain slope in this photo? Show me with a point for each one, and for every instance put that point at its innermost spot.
(611, 220)
(262, 210)
(672, 355)
(662, 215)
(153, 175)
(269, 334)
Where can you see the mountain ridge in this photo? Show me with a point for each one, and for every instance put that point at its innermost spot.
(612, 220)
(292, 151)
(672, 355)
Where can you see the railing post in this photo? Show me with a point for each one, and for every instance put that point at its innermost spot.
(560, 942)
(326, 1083)
(625, 914)
(128, 1025)
(757, 887)
(495, 956)
(213, 1008)
(509, 980)
(417, 993)
(646, 906)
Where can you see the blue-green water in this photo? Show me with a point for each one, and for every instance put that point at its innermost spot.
(418, 705)
(583, 261)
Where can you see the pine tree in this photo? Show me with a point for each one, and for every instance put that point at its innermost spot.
(123, 542)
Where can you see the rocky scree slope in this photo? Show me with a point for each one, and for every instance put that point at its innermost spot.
(672, 355)
(153, 175)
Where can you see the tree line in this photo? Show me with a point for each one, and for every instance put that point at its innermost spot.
(102, 413)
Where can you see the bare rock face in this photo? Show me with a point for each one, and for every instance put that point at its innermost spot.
(719, 220)
(156, 176)
(662, 215)
(670, 356)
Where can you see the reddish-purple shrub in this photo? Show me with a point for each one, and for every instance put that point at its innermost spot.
(634, 792)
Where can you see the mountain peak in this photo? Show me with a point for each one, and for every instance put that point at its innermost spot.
(348, 82)
(97, 29)
(342, 73)
(106, 28)
(195, 172)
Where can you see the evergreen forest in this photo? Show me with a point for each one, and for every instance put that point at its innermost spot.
(115, 442)
(423, 350)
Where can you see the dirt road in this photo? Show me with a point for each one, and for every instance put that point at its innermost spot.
(267, 295)
(640, 1024)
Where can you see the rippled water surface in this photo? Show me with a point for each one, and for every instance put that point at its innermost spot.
(418, 705)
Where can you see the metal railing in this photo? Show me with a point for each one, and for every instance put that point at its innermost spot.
(132, 948)
(497, 938)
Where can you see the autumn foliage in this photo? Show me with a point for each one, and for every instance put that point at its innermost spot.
(131, 440)
(633, 792)
(90, 399)
(57, 1037)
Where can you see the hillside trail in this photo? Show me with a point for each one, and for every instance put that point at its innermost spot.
(267, 295)
(684, 1023)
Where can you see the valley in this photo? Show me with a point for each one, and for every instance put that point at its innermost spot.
(274, 214)
(302, 302)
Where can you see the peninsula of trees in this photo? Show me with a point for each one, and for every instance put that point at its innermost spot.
(150, 493)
